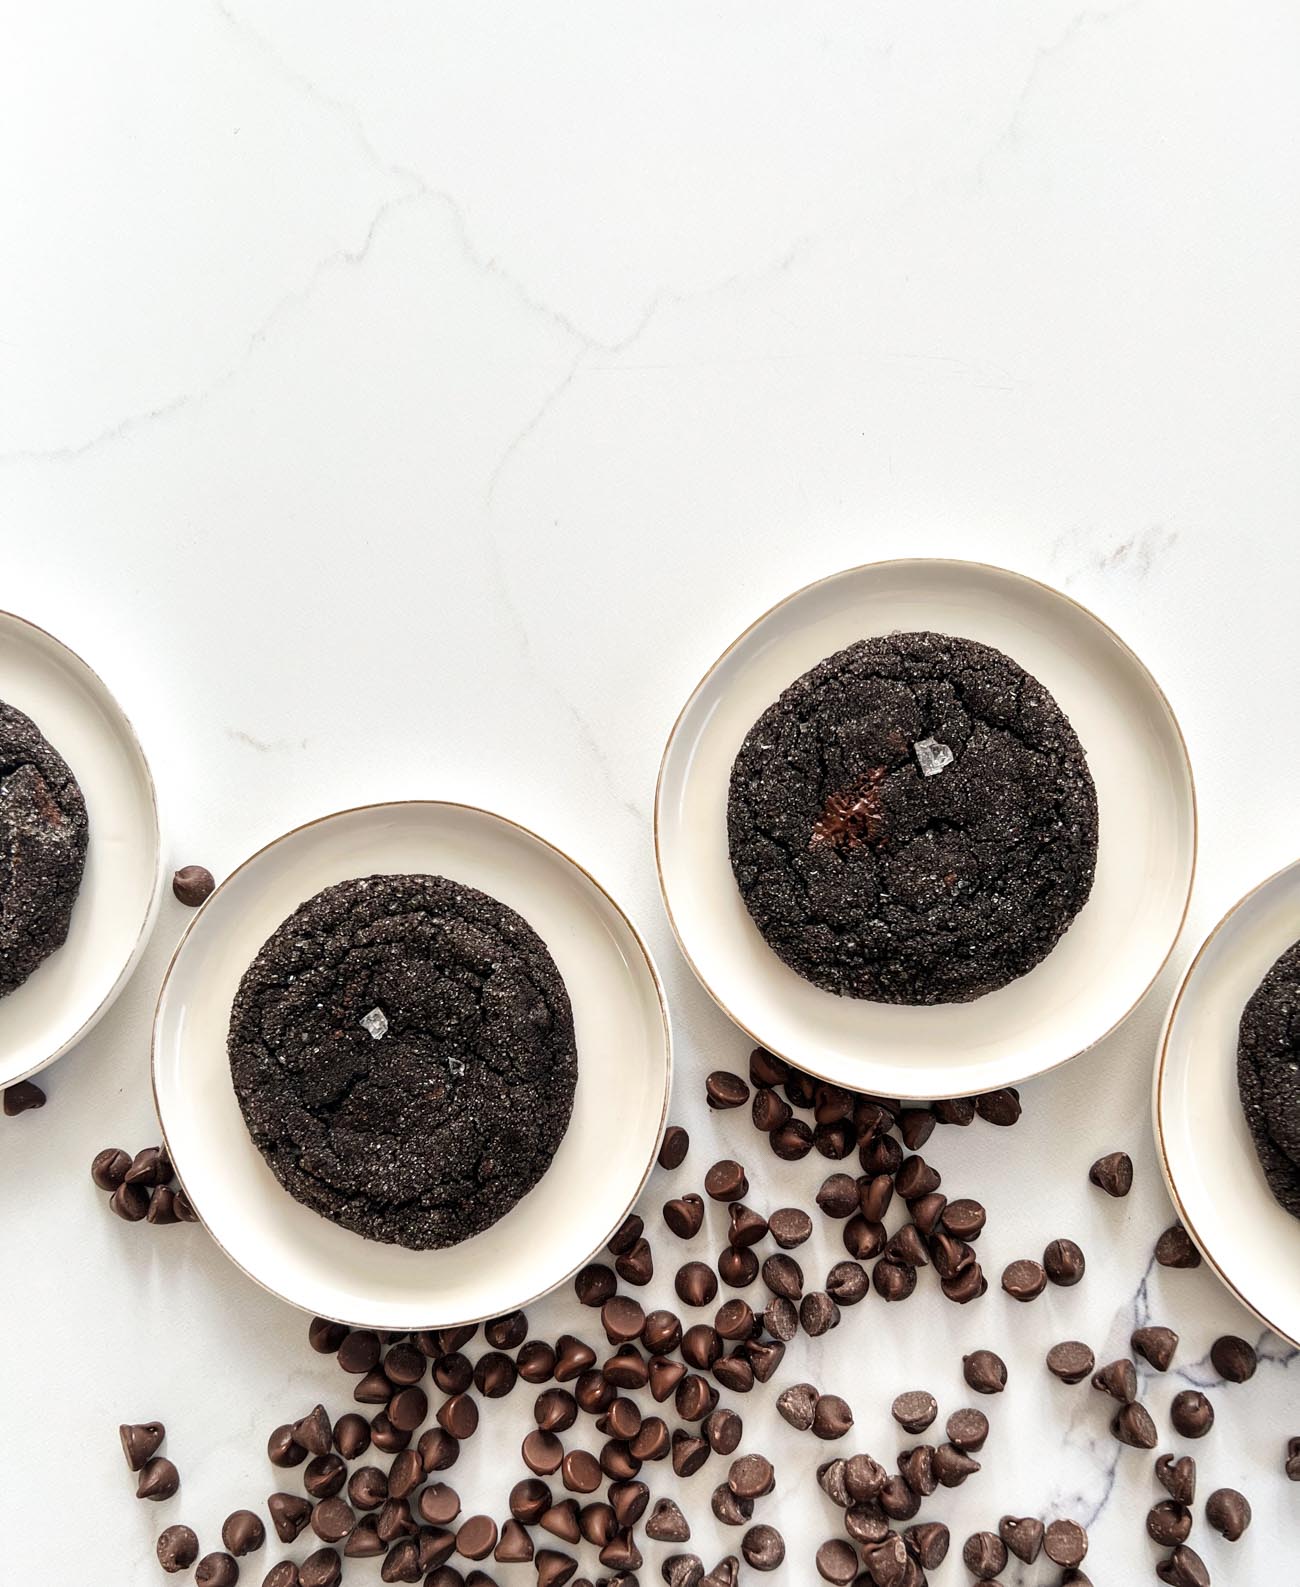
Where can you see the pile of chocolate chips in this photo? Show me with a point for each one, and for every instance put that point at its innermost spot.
(595, 1429)
(141, 1187)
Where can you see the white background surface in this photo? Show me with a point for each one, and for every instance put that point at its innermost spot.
(417, 403)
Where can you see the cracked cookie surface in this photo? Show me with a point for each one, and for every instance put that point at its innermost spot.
(403, 1051)
(1268, 1076)
(43, 835)
(874, 880)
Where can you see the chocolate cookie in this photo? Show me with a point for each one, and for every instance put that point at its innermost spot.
(913, 821)
(1268, 1076)
(43, 833)
(403, 1051)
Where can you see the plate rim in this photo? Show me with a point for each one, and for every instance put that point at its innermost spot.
(536, 837)
(150, 916)
(950, 563)
(1157, 1092)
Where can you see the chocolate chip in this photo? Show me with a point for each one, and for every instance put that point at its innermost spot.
(927, 1543)
(553, 1568)
(529, 1500)
(1024, 1280)
(696, 1284)
(159, 1479)
(917, 1469)
(915, 1410)
(667, 1524)
(1183, 1568)
(737, 1266)
(1174, 1248)
(1023, 1536)
(216, 1570)
(285, 1574)
(290, 1512)
(542, 1452)
(959, 1110)
(783, 1276)
(1132, 1425)
(726, 1181)
(661, 1333)
(1168, 1523)
(818, 1313)
(837, 1562)
(438, 1449)
(178, 1548)
(726, 1573)
(683, 1570)
(572, 1358)
(509, 1331)
(1191, 1413)
(723, 1429)
(688, 1453)
(984, 1554)
(745, 1227)
(452, 1373)
(893, 1281)
(359, 1351)
(130, 1202)
(789, 1227)
(701, 1346)
(965, 1286)
(458, 1416)
(732, 1509)
(967, 1429)
(724, 1090)
(1177, 1476)
(405, 1474)
(674, 1147)
(907, 1248)
(915, 1177)
(838, 1196)
(769, 1111)
(864, 1478)
(1065, 1543)
(1113, 1173)
(963, 1219)
(140, 1441)
(332, 1520)
(999, 1107)
(684, 1215)
(594, 1284)
(832, 1417)
(109, 1167)
(323, 1476)
(476, 1537)
(535, 1362)
(1119, 1380)
(1228, 1512)
(763, 1548)
(791, 1141)
(952, 1466)
(192, 884)
(1234, 1359)
(887, 1562)
(1155, 1345)
(984, 1372)
(862, 1238)
(1063, 1263)
(1071, 1361)
(242, 1532)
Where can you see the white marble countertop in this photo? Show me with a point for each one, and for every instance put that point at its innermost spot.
(416, 402)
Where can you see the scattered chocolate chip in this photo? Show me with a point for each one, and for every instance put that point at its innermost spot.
(1113, 1173)
(684, 1215)
(1024, 1280)
(674, 1147)
(797, 1404)
(791, 1141)
(1191, 1413)
(178, 1548)
(762, 1547)
(915, 1410)
(837, 1562)
(1132, 1425)
(667, 1524)
(838, 1196)
(1174, 1248)
(243, 1533)
(726, 1181)
(159, 1479)
(324, 1568)
(862, 1238)
(963, 1219)
(1234, 1359)
(594, 1284)
(476, 1537)
(893, 1281)
(1156, 1346)
(1177, 1476)
(1291, 1465)
(818, 1313)
(1065, 1543)
(967, 1429)
(359, 1352)
(130, 1202)
(535, 1362)
(1168, 1523)
(723, 1429)
(915, 1177)
(1063, 1263)
(332, 1520)
(984, 1554)
(696, 1284)
(216, 1570)
(984, 1372)
(1228, 1512)
(1118, 1379)
(109, 1167)
(324, 1476)
(1071, 1361)
(999, 1107)
(682, 1570)
(732, 1509)
(192, 884)
(1183, 1568)
(1023, 1536)
(916, 1466)
(724, 1090)
(959, 1110)
(140, 1441)
(290, 1512)
(768, 1111)
(832, 1417)
(789, 1227)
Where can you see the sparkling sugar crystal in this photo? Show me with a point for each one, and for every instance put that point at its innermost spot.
(376, 1022)
(932, 756)
(456, 1066)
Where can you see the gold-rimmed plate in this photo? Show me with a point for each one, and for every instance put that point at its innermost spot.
(1205, 1149)
(1107, 959)
(118, 899)
(624, 1072)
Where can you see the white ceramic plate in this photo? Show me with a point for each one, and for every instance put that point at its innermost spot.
(1118, 942)
(1212, 1171)
(624, 1070)
(115, 909)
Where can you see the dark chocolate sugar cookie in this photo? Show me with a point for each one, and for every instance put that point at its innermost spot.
(913, 821)
(402, 1048)
(1268, 1076)
(43, 833)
